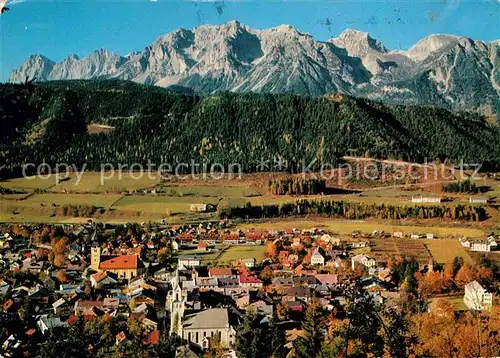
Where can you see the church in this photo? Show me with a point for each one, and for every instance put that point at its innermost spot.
(123, 266)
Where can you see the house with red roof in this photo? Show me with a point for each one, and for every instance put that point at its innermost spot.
(185, 238)
(121, 338)
(231, 239)
(327, 279)
(219, 272)
(123, 266)
(253, 237)
(152, 338)
(250, 281)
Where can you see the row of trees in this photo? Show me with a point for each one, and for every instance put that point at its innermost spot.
(463, 186)
(351, 210)
(84, 211)
(296, 186)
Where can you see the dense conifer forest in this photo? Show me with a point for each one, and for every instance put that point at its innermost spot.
(351, 210)
(296, 186)
(48, 123)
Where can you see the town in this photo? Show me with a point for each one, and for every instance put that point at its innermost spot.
(249, 179)
(216, 290)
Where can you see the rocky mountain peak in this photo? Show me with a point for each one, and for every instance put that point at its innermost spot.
(425, 47)
(235, 57)
(38, 57)
(35, 65)
(358, 43)
(72, 57)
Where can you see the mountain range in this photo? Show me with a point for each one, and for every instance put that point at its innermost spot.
(454, 72)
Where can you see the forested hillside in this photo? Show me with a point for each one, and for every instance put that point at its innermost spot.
(48, 123)
(355, 211)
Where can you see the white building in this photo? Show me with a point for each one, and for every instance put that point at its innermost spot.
(318, 257)
(493, 243)
(362, 260)
(198, 207)
(425, 199)
(202, 327)
(359, 244)
(480, 245)
(473, 200)
(175, 304)
(326, 238)
(46, 323)
(249, 262)
(189, 261)
(464, 241)
(476, 297)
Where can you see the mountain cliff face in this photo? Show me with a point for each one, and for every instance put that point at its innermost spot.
(450, 71)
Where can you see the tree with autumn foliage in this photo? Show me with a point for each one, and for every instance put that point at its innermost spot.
(41, 236)
(437, 331)
(465, 275)
(19, 230)
(42, 254)
(442, 333)
(449, 276)
(267, 274)
(61, 276)
(485, 275)
(431, 283)
(271, 251)
(57, 256)
(281, 311)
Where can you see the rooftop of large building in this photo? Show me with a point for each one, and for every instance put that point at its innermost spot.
(211, 318)
(124, 262)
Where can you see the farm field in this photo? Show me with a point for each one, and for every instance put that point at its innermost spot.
(119, 181)
(346, 227)
(385, 248)
(93, 182)
(446, 250)
(88, 182)
(163, 205)
(40, 207)
(441, 250)
(237, 252)
(30, 183)
(206, 256)
(173, 203)
(214, 191)
(87, 190)
(457, 301)
(47, 199)
(227, 254)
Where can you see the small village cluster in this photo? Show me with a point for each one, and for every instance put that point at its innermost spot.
(51, 278)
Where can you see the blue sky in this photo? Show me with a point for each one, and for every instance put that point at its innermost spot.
(60, 27)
